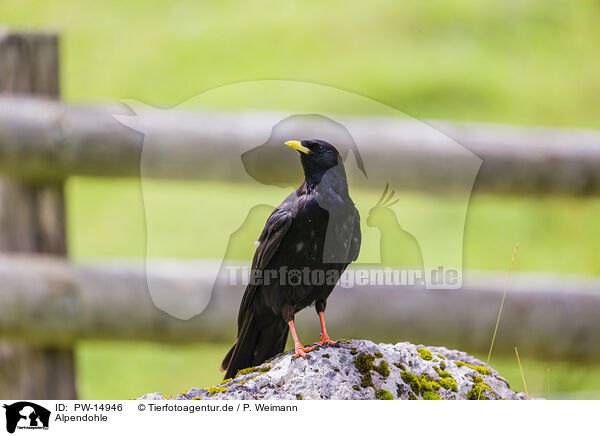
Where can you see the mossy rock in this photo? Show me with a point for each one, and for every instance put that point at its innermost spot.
(359, 369)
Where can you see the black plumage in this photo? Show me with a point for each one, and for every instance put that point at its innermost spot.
(316, 232)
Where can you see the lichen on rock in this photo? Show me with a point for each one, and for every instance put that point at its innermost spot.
(362, 370)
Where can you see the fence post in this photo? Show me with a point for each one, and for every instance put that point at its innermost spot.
(32, 220)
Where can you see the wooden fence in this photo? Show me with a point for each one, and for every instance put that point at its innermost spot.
(47, 304)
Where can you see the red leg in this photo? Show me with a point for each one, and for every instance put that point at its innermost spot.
(301, 350)
(325, 339)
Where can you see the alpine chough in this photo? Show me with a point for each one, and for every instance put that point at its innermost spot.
(306, 244)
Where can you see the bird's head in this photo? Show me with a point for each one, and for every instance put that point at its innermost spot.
(317, 157)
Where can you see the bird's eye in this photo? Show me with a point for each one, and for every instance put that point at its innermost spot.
(321, 148)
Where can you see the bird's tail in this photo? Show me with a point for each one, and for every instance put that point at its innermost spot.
(255, 344)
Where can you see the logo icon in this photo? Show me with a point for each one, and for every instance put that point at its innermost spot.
(26, 415)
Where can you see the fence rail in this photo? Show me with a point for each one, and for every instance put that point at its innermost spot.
(41, 140)
(50, 302)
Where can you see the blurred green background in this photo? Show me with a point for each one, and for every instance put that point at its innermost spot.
(522, 62)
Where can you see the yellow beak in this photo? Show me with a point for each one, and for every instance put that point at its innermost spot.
(296, 145)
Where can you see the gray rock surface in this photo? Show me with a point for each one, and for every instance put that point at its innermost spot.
(362, 370)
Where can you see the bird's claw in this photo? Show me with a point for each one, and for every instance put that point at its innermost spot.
(326, 340)
(301, 351)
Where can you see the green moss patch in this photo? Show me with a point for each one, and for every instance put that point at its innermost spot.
(412, 380)
(382, 394)
(427, 384)
(367, 381)
(431, 396)
(215, 390)
(442, 374)
(478, 389)
(423, 384)
(448, 383)
(364, 364)
(425, 354)
(383, 368)
(400, 365)
(253, 369)
(480, 369)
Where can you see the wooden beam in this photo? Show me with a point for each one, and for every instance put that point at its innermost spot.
(52, 140)
(50, 302)
(32, 220)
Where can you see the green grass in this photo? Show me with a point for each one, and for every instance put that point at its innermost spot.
(106, 218)
(552, 379)
(519, 61)
(124, 370)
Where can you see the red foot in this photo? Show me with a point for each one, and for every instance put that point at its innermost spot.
(325, 339)
(301, 350)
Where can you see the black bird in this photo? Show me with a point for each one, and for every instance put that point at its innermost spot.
(306, 244)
